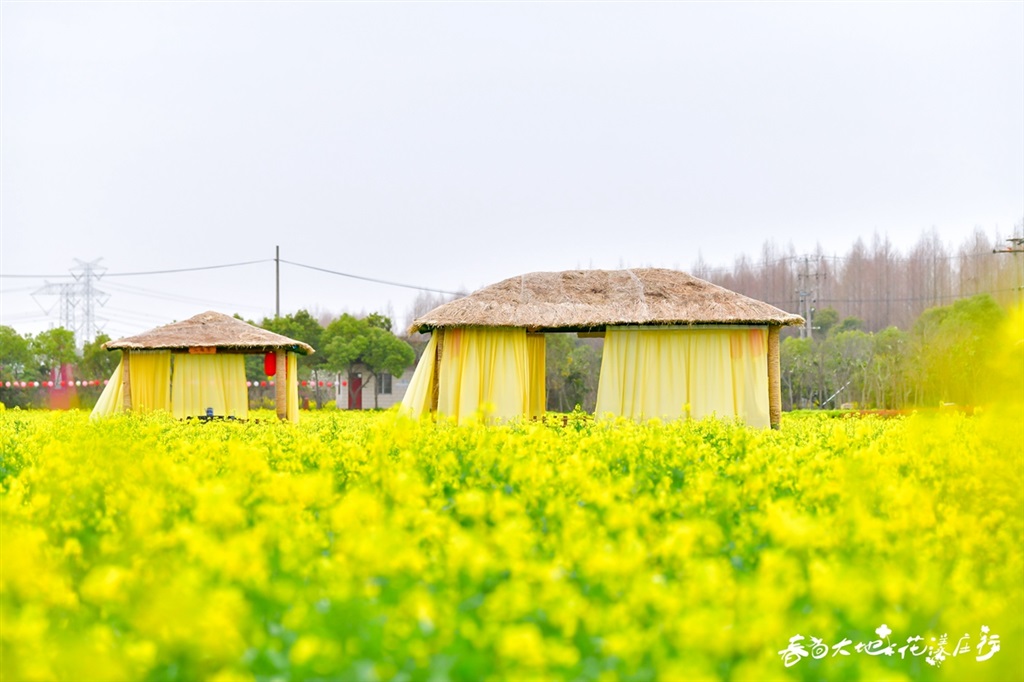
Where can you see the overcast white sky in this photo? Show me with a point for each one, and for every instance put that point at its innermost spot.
(451, 145)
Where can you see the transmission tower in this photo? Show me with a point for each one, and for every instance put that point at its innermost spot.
(67, 293)
(84, 275)
(80, 292)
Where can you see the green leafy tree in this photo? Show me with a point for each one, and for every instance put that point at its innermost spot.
(15, 354)
(886, 380)
(15, 364)
(952, 346)
(386, 352)
(52, 349)
(302, 326)
(349, 341)
(378, 321)
(848, 324)
(797, 361)
(847, 356)
(824, 320)
(98, 363)
(572, 368)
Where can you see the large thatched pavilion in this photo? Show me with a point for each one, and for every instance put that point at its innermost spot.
(674, 346)
(196, 365)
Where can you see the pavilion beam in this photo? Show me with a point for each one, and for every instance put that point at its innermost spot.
(281, 385)
(774, 378)
(126, 379)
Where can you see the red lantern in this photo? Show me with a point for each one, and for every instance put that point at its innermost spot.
(270, 364)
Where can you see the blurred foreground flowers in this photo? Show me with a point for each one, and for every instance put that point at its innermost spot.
(368, 547)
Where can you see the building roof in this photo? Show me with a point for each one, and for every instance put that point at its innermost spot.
(210, 329)
(577, 300)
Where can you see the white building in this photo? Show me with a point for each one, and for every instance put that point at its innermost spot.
(359, 389)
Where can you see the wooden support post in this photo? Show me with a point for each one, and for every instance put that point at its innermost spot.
(281, 385)
(435, 389)
(774, 378)
(126, 379)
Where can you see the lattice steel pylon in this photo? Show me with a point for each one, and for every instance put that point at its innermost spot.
(67, 301)
(80, 292)
(84, 275)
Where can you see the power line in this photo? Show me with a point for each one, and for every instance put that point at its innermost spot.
(251, 262)
(205, 267)
(146, 272)
(371, 279)
(151, 293)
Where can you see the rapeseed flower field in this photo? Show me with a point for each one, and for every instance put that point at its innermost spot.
(371, 547)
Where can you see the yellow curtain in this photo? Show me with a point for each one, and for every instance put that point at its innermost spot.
(418, 396)
(112, 399)
(150, 380)
(202, 381)
(293, 388)
(672, 373)
(536, 349)
(750, 376)
(484, 370)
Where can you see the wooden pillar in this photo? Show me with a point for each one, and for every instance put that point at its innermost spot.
(774, 378)
(281, 385)
(435, 389)
(126, 378)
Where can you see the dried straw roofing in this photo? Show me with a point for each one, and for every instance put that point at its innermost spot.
(210, 329)
(592, 299)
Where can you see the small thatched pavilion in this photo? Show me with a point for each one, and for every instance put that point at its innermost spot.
(675, 346)
(196, 365)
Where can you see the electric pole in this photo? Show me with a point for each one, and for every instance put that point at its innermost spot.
(277, 277)
(1016, 247)
(808, 297)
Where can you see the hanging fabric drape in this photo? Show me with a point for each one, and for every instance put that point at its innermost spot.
(112, 398)
(419, 394)
(150, 384)
(209, 381)
(150, 380)
(497, 372)
(484, 371)
(536, 349)
(673, 373)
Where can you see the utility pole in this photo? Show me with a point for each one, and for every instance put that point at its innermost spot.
(808, 297)
(277, 272)
(1016, 247)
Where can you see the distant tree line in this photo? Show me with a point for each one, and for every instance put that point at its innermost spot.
(875, 283)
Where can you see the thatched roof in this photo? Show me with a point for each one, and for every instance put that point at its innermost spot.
(592, 299)
(207, 330)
